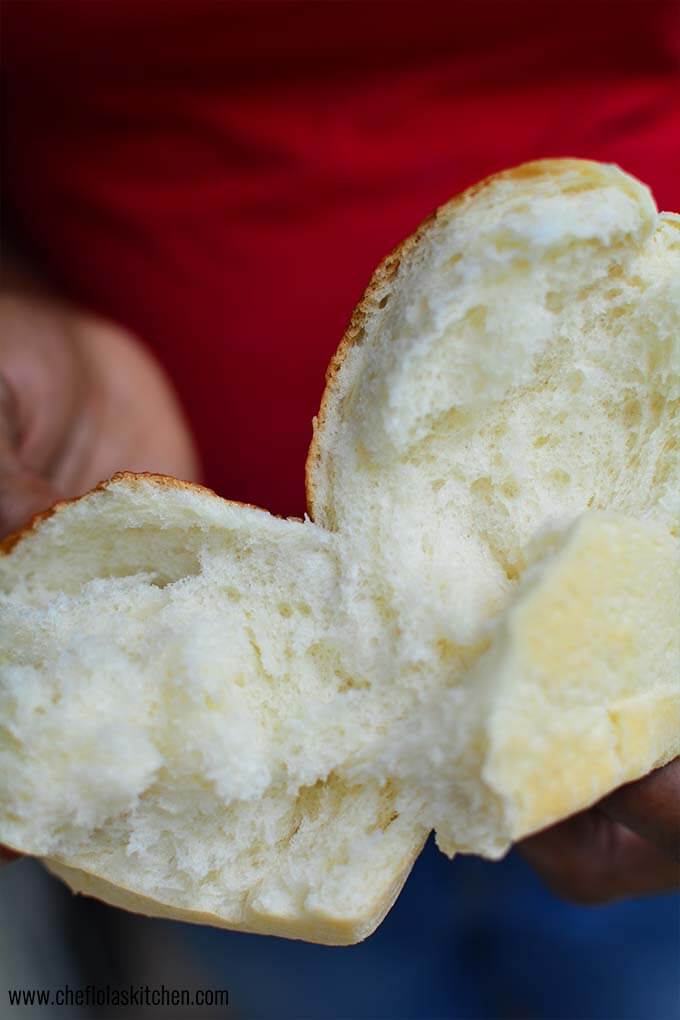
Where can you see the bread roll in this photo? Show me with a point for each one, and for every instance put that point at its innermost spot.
(213, 714)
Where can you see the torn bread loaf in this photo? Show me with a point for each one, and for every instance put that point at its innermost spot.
(210, 713)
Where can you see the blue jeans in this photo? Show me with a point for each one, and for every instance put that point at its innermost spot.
(465, 939)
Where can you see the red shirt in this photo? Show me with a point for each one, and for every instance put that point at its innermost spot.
(223, 177)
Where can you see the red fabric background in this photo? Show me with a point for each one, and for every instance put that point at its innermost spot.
(223, 177)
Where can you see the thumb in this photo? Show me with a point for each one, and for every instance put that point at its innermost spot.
(22, 492)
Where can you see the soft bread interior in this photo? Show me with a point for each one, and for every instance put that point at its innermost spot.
(211, 713)
(576, 693)
(511, 368)
(173, 702)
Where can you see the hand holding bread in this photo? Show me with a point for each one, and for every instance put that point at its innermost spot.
(476, 631)
(67, 380)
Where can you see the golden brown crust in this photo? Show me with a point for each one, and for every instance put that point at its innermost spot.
(354, 334)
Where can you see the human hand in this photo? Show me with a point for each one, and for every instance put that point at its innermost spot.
(79, 400)
(627, 845)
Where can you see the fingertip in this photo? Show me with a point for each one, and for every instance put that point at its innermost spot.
(22, 494)
(650, 807)
(7, 855)
(10, 429)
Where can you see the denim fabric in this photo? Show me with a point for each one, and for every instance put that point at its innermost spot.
(466, 939)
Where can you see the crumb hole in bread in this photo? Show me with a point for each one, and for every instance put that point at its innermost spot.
(663, 471)
(446, 648)
(657, 406)
(554, 301)
(350, 683)
(383, 822)
(580, 187)
(560, 476)
(482, 487)
(505, 240)
(632, 413)
(476, 317)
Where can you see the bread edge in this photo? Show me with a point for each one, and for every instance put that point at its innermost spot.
(131, 478)
(323, 930)
(385, 274)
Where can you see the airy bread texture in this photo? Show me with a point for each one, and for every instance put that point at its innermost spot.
(210, 713)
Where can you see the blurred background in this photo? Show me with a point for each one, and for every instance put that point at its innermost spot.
(466, 939)
(221, 179)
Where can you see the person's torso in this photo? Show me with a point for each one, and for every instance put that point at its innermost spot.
(222, 178)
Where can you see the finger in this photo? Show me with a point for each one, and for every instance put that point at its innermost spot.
(591, 859)
(42, 368)
(650, 807)
(7, 855)
(22, 492)
(10, 431)
(22, 495)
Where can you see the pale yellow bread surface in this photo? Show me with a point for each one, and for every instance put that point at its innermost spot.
(210, 713)
(173, 711)
(576, 694)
